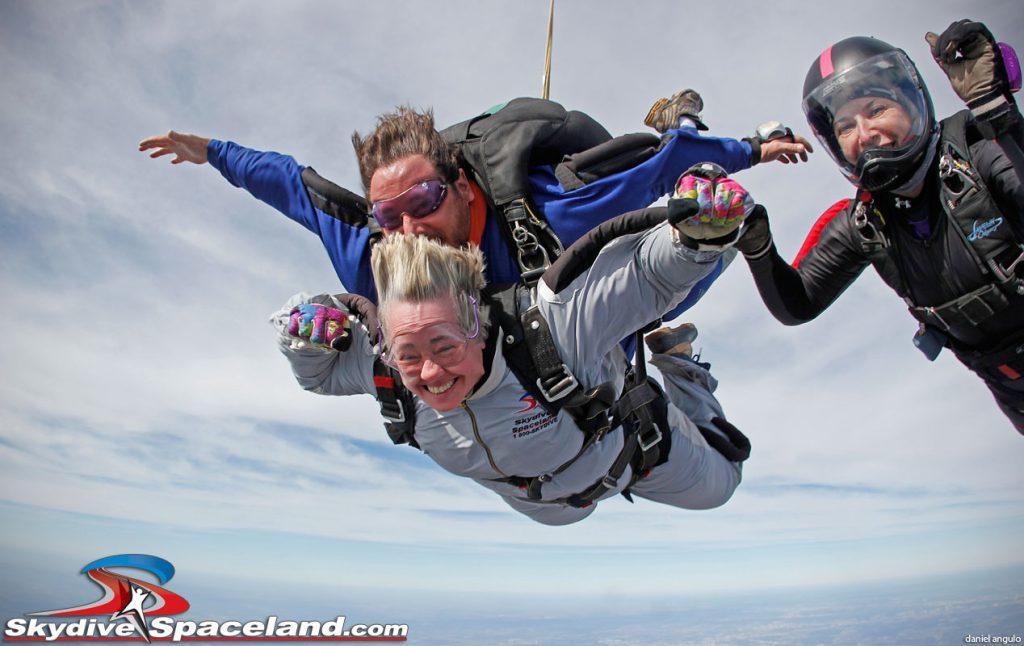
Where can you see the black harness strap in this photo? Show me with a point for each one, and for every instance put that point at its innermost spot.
(972, 308)
(532, 356)
(554, 380)
(642, 412)
(965, 196)
(396, 405)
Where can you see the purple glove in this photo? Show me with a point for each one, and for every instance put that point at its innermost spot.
(321, 326)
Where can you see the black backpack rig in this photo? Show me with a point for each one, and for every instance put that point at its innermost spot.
(497, 149)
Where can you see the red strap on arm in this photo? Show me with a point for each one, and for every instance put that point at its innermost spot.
(819, 226)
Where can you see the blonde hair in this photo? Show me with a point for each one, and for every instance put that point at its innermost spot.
(414, 268)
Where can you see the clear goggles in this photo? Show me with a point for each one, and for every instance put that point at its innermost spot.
(890, 76)
(444, 344)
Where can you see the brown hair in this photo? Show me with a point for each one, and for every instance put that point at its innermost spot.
(399, 134)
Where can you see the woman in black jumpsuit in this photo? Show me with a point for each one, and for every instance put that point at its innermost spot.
(939, 209)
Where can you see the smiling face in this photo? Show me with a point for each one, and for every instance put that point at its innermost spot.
(868, 123)
(449, 223)
(436, 360)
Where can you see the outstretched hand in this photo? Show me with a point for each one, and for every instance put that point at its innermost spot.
(791, 150)
(968, 54)
(185, 147)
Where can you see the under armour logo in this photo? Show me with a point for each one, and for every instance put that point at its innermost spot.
(902, 204)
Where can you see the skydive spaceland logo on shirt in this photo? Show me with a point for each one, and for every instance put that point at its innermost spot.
(535, 421)
(128, 600)
(529, 403)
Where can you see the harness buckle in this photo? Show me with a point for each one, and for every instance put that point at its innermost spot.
(933, 312)
(529, 249)
(565, 385)
(975, 309)
(1006, 274)
(956, 177)
(531, 276)
(397, 418)
(646, 445)
(609, 482)
(871, 237)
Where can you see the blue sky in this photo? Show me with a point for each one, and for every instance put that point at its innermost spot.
(145, 407)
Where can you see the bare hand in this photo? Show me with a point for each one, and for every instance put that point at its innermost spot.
(785, 150)
(185, 147)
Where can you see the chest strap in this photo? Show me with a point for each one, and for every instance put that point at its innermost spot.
(397, 406)
(971, 309)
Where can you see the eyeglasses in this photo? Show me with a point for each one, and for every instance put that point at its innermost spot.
(419, 200)
(448, 345)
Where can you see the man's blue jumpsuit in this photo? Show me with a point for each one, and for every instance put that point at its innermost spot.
(277, 180)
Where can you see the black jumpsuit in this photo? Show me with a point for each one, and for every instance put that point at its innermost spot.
(929, 271)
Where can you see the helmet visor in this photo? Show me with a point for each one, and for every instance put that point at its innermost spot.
(874, 117)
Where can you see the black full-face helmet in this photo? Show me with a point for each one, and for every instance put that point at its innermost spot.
(858, 67)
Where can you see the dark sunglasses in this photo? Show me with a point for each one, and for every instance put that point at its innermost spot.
(419, 200)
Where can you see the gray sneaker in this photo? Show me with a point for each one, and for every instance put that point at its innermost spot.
(676, 340)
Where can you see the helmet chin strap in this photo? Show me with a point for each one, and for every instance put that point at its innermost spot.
(912, 187)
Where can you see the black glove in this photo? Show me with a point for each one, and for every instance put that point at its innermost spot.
(734, 446)
(756, 236)
(969, 55)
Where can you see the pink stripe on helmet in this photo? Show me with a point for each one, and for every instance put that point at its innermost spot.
(825, 63)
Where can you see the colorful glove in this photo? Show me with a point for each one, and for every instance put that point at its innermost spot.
(721, 205)
(322, 327)
(973, 61)
(665, 113)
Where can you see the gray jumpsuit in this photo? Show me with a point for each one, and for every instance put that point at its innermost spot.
(498, 432)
